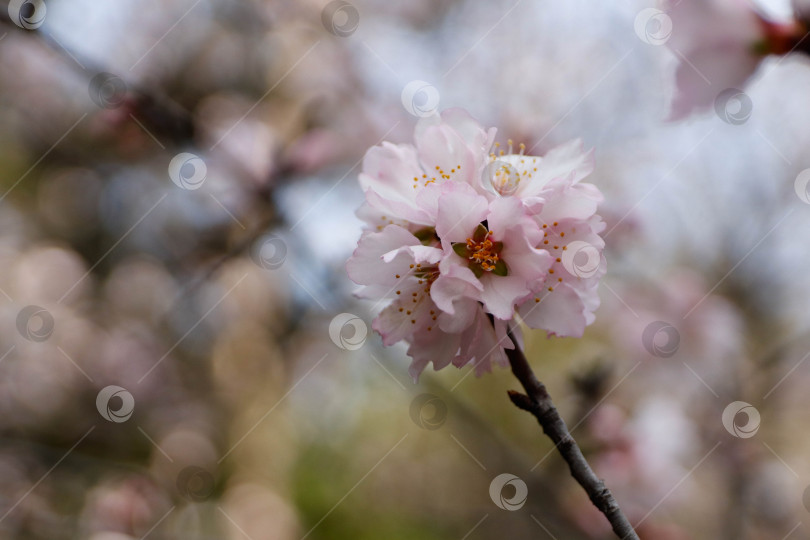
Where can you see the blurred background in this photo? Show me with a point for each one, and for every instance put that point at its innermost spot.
(177, 203)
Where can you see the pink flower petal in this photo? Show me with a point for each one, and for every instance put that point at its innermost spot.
(443, 151)
(366, 265)
(460, 212)
(389, 170)
(500, 294)
(434, 346)
(559, 312)
(447, 289)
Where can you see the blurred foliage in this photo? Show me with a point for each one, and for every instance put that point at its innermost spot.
(211, 306)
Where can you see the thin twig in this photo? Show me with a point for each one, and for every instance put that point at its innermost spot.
(538, 402)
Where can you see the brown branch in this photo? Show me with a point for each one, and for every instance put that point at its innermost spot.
(538, 402)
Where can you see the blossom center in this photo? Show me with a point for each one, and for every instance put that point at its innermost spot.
(432, 177)
(410, 300)
(426, 275)
(482, 253)
(505, 171)
(504, 177)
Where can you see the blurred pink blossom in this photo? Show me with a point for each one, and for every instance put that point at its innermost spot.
(719, 45)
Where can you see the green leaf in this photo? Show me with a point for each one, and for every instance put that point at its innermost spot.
(497, 247)
(426, 235)
(477, 270)
(480, 233)
(461, 249)
(500, 268)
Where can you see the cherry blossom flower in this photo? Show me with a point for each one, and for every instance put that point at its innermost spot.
(561, 205)
(460, 240)
(495, 264)
(450, 147)
(393, 264)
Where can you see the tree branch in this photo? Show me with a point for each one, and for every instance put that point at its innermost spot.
(538, 402)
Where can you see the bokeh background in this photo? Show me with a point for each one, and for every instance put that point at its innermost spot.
(176, 376)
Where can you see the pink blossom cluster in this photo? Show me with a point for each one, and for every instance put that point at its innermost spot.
(466, 242)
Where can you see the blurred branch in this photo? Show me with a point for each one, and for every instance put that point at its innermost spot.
(538, 402)
(490, 442)
(174, 123)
